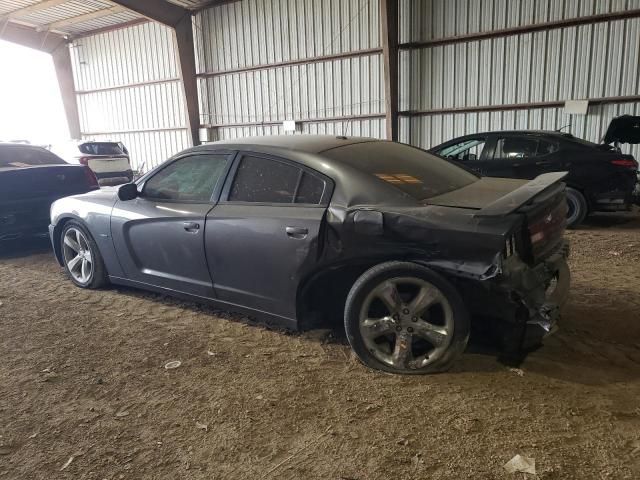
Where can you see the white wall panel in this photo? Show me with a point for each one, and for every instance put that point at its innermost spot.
(262, 32)
(580, 62)
(128, 90)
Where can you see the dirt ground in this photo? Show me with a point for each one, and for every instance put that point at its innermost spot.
(82, 380)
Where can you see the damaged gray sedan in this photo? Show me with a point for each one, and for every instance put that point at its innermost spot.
(404, 246)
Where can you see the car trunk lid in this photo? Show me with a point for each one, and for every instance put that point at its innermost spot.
(542, 201)
(623, 129)
(106, 163)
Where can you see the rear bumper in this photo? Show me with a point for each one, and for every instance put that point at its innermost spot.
(114, 178)
(538, 295)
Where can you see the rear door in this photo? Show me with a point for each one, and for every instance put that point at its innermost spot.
(523, 156)
(263, 235)
(159, 236)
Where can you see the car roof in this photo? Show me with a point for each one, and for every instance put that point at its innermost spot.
(523, 132)
(299, 143)
(21, 145)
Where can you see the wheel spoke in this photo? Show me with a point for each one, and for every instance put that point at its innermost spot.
(390, 296)
(86, 270)
(402, 350)
(72, 244)
(435, 334)
(426, 297)
(73, 263)
(376, 327)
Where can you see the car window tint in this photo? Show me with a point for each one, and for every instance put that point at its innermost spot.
(260, 180)
(515, 147)
(14, 156)
(188, 179)
(101, 148)
(468, 150)
(310, 189)
(412, 170)
(545, 147)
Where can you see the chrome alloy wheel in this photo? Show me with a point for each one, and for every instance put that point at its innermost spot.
(406, 323)
(77, 255)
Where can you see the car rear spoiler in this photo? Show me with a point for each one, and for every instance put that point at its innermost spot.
(521, 195)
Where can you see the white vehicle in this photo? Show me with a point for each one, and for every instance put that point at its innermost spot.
(108, 160)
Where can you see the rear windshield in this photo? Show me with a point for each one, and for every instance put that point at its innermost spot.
(15, 156)
(414, 171)
(102, 148)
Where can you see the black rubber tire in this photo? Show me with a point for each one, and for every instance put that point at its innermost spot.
(99, 277)
(373, 277)
(578, 207)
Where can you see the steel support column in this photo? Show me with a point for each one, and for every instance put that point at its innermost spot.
(389, 34)
(64, 71)
(179, 19)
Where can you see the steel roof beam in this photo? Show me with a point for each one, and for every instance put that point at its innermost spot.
(160, 11)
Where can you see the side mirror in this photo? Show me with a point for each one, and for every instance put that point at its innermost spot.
(128, 191)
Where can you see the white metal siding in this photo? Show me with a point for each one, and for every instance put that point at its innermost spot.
(588, 61)
(128, 90)
(262, 32)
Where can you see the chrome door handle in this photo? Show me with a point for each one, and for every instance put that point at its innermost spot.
(191, 226)
(297, 232)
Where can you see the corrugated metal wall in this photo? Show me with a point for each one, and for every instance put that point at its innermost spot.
(588, 61)
(263, 32)
(128, 90)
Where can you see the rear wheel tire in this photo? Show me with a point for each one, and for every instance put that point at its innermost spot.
(82, 260)
(577, 207)
(401, 317)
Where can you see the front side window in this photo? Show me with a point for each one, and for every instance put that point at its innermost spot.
(260, 180)
(468, 150)
(190, 179)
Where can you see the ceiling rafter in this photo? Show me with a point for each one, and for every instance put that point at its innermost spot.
(85, 17)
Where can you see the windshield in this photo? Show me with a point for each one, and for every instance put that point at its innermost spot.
(414, 171)
(19, 156)
(102, 148)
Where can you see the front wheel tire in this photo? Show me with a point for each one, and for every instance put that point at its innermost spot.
(401, 317)
(82, 260)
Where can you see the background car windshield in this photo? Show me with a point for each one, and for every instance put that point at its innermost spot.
(101, 148)
(414, 171)
(27, 157)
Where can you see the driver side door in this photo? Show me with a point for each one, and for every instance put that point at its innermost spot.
(159, 236)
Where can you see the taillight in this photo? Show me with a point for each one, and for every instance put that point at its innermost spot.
(625, 162)
(84, 160)
(92, 180)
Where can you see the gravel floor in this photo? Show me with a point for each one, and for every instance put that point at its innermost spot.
(84, 392)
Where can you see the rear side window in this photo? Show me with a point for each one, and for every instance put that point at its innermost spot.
(523, 147)
(101, 148)
(190, 179)
(260, 180)
(13, 156)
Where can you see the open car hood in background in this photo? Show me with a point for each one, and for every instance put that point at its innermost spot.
(623, 129)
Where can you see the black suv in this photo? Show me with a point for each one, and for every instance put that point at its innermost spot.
(601, 178)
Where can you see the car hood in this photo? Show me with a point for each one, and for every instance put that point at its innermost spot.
(478, 195)
(623, 129)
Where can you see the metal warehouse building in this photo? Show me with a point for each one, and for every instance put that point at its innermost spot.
(162, 75)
